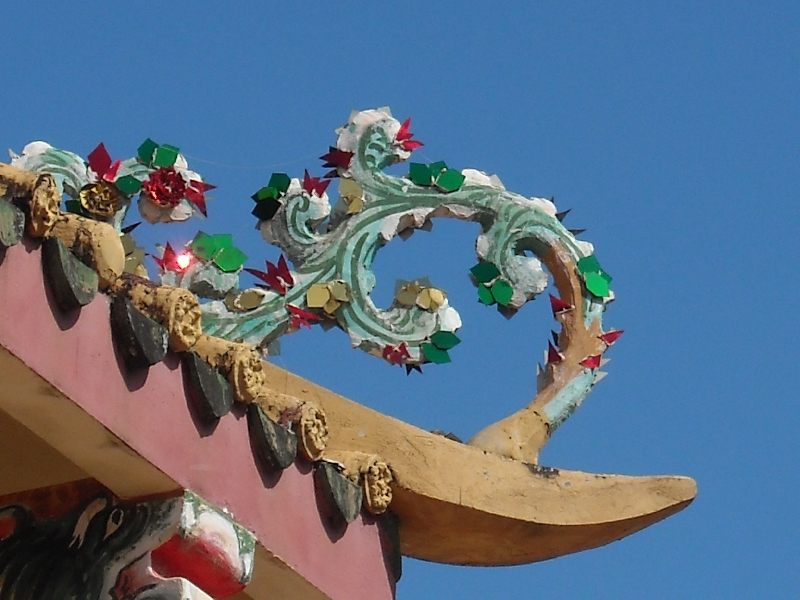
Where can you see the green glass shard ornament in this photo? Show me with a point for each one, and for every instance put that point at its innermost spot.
(280, 181)
(203, 246)
(420, 174)
(595, 279)
(502, 292)
(223, 240)
(450, 181)
(165, 156)
(484, 272)
(230, 259)
(445, 340)
(266, 209)
(588, 264)
(146, 151)
(485, 295)
(218, 249)
(597, 285)
(74, 206)
(435, 355)
(266, 193)
(437, 168)
(129, 185)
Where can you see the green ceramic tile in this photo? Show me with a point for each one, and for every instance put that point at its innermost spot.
(266, 193)
(419, 174)
(588, 264)
(128, 185)
(434, 354)
(146, 150)
(450, 181)
(484, 272)
(280, 181)
(166, 156)
(230, 259)
(502, 292)
(485, 295)
(445, 340)
(597, 285)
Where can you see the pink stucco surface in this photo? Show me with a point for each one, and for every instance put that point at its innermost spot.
(149, 411)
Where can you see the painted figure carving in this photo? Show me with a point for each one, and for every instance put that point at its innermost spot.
(173, 549)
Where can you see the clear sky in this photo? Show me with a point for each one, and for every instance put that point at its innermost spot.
(670, 130)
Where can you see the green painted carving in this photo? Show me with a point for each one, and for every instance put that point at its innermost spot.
(327, 244)
(331, 249)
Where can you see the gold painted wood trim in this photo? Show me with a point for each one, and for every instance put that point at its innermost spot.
(459, 504)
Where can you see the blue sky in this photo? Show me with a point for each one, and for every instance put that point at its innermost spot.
(670, 130)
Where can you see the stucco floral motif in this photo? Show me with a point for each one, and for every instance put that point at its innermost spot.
(372, 472)
(44, 207)
(175, 308)
(165, 187)
(377, 485)
(312, 429)
(245, 372)
(183, 321)
(101, 199)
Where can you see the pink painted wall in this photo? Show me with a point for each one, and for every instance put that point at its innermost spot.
(151, 415)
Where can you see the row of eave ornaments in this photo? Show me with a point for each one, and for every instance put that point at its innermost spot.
(170, 192)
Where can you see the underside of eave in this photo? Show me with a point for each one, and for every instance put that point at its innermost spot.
(44, 437)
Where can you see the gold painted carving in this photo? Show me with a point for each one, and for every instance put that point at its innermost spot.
(310, 421)
(175, 308)
(372, 472)
(96, 244)
(39, 190)
(312, 430)
(44, 207)
(281, 408)
(240, 363)
(101, 199)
